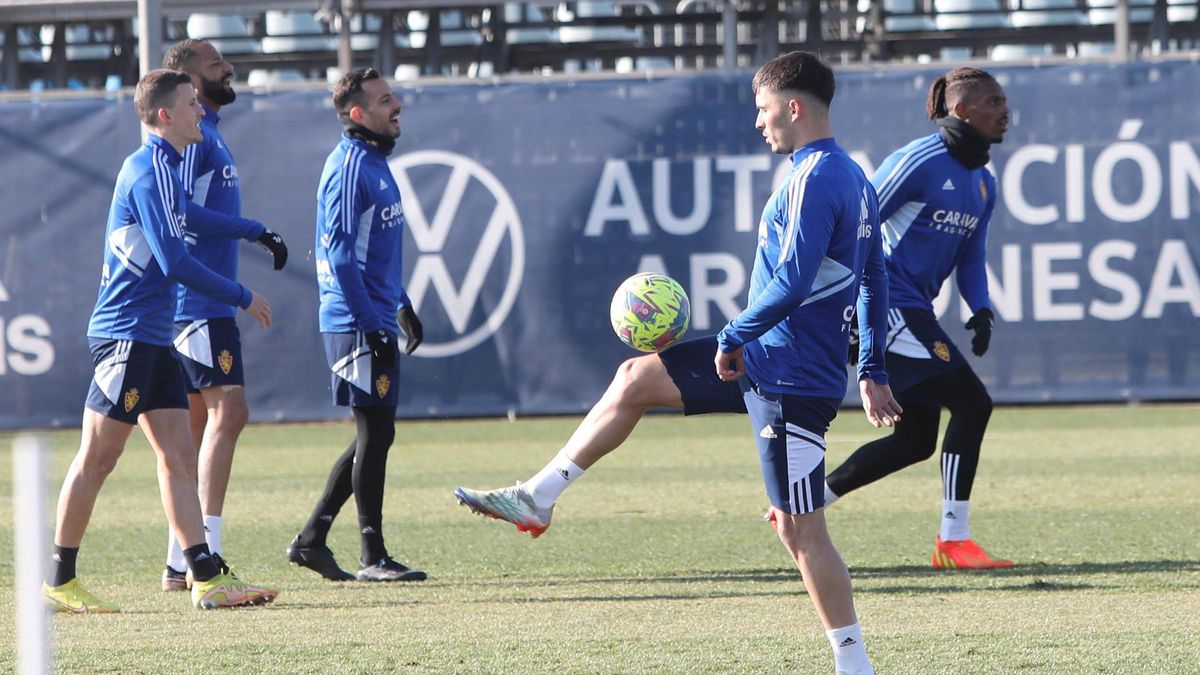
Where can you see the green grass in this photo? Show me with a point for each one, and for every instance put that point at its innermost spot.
(658, 561)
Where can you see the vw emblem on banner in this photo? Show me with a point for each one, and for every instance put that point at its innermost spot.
(432, 217)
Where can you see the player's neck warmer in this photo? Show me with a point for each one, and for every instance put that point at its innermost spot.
(359, 132)
(963, 142)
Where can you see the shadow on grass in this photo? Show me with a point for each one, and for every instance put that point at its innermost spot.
(1045, 577)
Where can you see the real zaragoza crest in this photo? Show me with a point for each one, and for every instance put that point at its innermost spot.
(225, 360)
(131, 399)
(382, 384)
(942, 351)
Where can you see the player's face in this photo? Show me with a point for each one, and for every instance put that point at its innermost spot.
(775, 120)
(185, 115)
(213, 76)
(381, 110)
(986, 110)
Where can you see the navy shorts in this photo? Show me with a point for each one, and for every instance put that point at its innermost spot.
(918, 349)
(357, 378)
(130, 378)
(789, 430)
(691, 366)
(211, 352)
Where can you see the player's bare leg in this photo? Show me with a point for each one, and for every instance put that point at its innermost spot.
(828, 583)
(101, 446)
(169, 435)
(227, 416)
(639, 384)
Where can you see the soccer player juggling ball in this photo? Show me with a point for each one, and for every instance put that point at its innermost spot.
(781, 361)
(137, 379)
(206, 334)
(360, 228)
(936, 197)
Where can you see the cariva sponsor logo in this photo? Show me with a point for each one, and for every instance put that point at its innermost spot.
(955, 218)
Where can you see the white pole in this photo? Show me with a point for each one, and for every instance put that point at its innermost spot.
(29, 544)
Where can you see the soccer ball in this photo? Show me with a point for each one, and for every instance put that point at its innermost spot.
(650, 312)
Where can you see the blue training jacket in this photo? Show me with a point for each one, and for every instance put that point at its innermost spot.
(360, 234)
(214, 223)
(145, 255)
(818, 257)
(935, 214)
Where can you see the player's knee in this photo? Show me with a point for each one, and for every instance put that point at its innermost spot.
(803, 533)
(233, 415)
(95, 466)
(923, 448)
(638, 382)
(629, 379)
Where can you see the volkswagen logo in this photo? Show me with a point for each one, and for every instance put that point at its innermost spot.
(431, 229)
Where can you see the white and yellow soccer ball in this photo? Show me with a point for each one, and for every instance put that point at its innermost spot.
(650, 312)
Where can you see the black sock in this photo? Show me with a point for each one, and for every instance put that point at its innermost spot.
(371, 549)
(338, 488)
(62, 565)
(376, 431)
(201, 562)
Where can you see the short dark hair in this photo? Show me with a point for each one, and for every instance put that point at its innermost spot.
(182, 54)
(348, 92)
(797, 71)
(155, 90)
(958, 83)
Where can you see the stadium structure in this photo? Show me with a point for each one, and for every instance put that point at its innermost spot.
(67, 44)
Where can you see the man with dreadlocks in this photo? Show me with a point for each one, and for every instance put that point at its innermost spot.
(935, 200)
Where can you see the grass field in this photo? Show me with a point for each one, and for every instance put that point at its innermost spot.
(658, 561)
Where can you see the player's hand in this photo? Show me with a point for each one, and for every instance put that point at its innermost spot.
(383, 347)
(411, 325)
(852, 356)
(981, 323)
(879, 404)
(730, 365)
(260, 309)
(274, 245)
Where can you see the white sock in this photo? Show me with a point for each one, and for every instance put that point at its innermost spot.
(956, 524)
(849, 653)
(212, 533)
(830, 497)
(548, 484)
(175, 559)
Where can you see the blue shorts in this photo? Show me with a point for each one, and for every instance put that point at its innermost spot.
(790, 430)
(357, 379)
(918, 349)
(130, 378)
(211, 352)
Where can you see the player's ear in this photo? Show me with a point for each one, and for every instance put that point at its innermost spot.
(164, 117)
(796, 107)
(356, 114)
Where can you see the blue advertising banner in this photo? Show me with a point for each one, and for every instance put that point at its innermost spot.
(528, 203)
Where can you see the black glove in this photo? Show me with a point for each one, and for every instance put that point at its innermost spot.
(852, 357)
(411, 326)
(383, 347)
(981, 323)
(275, 246)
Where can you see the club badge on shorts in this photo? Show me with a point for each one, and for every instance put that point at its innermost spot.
(225, 360)
(131, 399)
(382, 384)
(941, 350)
